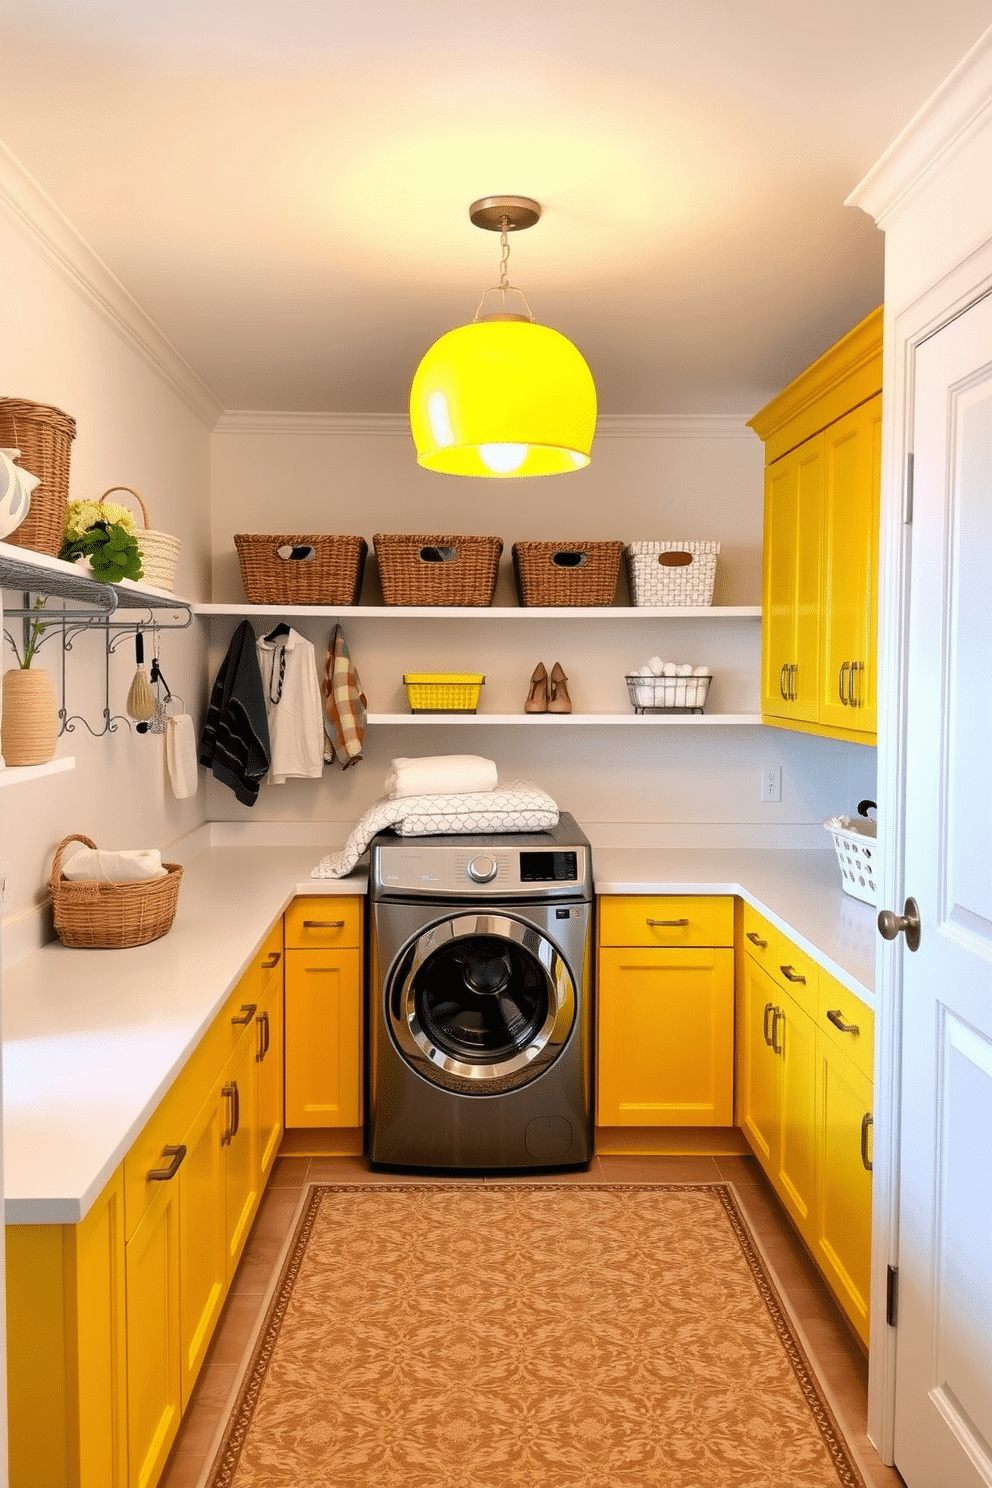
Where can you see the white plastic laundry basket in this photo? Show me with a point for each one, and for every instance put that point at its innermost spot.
(855, 843)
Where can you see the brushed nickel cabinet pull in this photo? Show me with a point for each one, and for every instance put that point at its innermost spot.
(845, 667)
(856, 666)
(323, 924)
(666, 924)
(162, 1175)
(781, 681)
(793, 669)
(867, 1122)
(791, 974)
(273, 960)
(769, 1008)
(755, 939)
(776, 1046)
(230, 1092)
(263, 1037)
(242, 1019)
(837, 1019)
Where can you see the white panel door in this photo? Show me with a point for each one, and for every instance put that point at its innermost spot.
(943, 1425)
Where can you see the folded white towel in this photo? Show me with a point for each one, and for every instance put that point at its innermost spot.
(127, 866)
(441, 774)
(180, 755)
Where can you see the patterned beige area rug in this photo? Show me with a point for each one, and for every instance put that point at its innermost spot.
(563, 1335)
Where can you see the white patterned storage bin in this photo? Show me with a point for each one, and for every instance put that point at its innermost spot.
(857, 853)
(671, 573)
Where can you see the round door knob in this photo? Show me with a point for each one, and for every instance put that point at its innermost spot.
(482, 870)
(891, 924)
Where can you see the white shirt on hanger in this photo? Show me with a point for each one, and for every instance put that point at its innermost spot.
(293, 709)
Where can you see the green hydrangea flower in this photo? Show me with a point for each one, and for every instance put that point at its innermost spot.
(80, 516)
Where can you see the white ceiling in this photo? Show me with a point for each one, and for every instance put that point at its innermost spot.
(283, 184)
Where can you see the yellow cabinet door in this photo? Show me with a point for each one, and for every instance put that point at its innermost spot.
(791, 583)
(66, 1349)
(202, 1236)
(666, 1037)
(850, 547)
(759, 1071)
(239, 1140)
(154, 1396)
(794, 1045)
(843, 1233)
(269, 1074)
(323, 1038)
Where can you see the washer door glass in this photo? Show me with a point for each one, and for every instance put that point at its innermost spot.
(481, 1003)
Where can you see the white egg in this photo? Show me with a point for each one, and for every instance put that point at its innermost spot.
(685, 670)
(657, 666)
(669, 669)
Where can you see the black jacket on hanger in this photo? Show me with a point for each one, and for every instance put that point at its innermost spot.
(234, 742)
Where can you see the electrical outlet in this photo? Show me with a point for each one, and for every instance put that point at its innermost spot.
(771, 783)
(4, 882)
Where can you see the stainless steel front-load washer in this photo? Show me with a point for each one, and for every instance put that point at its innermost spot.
(480, 1048)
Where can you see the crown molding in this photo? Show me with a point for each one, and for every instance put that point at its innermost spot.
(36, 216)
(609, 426)
(960, 107)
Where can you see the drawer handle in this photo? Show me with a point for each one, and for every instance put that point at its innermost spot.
(776, 1046)
(791, 974)
(837, 1019)
(769, 1008)
(781, 681)
(162, 1175)
(230, 1092)
(323, 924)
(845, 668)
(755, 939)
(273, 960)
(248, 1010)
(666, 924)
(263, 1037)
(867, 1122)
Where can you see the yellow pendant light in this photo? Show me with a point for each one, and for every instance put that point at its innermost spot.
(503, 396)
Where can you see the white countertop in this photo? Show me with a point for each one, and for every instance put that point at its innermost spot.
(94, 1039)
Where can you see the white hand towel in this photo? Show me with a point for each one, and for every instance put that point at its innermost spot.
(441, 774)
(128, 866)
(180, 755)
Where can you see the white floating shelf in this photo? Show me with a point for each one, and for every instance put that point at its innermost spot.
(490, 612)
(565, 720)
(16, 774)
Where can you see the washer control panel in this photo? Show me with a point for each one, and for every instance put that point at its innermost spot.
(406, 868)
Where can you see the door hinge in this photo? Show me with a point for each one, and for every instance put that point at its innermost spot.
(891, 1295)
(907, 495)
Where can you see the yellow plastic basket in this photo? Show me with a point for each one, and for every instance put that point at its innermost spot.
(443, 692)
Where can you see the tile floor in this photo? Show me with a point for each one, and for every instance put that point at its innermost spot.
(836, 1353)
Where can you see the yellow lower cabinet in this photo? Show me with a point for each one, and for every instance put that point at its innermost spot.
(323, 1038)
(843, 1231)
(666, 1037)
(202, 1236)
(154, 1364)
(239, 1140)
(759, 1072)
(269, 1045)
(66, 1349)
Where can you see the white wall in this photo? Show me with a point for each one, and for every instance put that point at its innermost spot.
(133, 427)
(684, 479)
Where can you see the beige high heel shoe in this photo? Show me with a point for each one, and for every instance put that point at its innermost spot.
(559, 701)
(537, 698)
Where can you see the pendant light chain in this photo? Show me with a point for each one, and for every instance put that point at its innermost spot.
(504, 261)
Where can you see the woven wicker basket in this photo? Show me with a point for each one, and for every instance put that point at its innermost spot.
(43, 435)
(159, 550)
(443, 692)
(567, 573)
(671, 573)
(437, 570)
(93, 915)
(301, 568)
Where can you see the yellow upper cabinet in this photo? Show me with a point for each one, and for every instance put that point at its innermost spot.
(822, 439)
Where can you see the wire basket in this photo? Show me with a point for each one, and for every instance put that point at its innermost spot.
(567, 573)
(671, 573)
(43, 435)
(669, 694)
(443, 692)
(159, 550)
(91, 914)
(308, 568)
(856, 846)
(437, 569)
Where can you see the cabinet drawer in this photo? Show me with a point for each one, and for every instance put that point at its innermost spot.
(324, 920)
(847, 1022)
(666, 920)
(790, 967)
